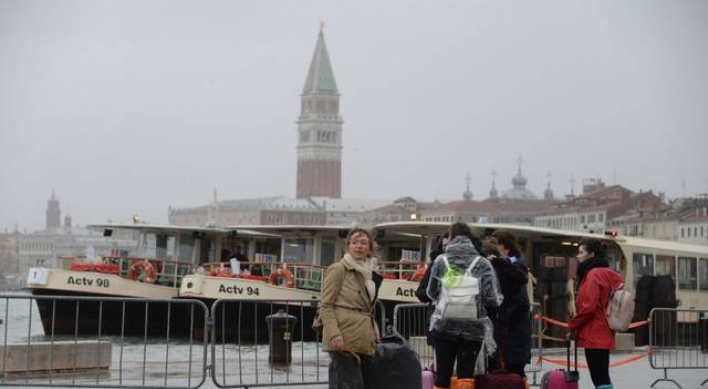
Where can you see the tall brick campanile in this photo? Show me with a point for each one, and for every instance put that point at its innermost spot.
(319, 146)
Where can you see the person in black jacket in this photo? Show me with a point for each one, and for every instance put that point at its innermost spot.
(421, 292)
(512, 326)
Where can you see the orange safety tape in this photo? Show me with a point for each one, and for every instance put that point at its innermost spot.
(639, 323)
(563, 362)
(548, 337)
(565, 325)
(552, 321)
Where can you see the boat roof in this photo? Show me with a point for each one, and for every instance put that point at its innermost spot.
(173, 229)
(521, 231)
(298, 230)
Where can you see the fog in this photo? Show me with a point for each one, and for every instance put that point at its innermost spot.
(129, 107)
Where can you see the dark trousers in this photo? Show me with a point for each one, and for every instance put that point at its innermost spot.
(447, 352)
(346, 372)
(599, 365)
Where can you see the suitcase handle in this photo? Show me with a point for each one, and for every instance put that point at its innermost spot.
(571, 338)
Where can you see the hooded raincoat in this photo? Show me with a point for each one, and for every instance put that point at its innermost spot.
(590, 321)
(460, 253)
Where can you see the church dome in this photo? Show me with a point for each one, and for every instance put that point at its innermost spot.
(519, 191)
(519, 180)
(493, 193)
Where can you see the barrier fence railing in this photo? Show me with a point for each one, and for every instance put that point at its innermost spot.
(269, 343)
(60, 341)
(102, 342)
(413, 320)
(678, 339)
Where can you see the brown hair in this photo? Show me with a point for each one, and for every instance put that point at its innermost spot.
(489, 247)
(507, 239)
(358, 230)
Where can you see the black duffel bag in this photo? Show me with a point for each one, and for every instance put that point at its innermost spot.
(395, 365)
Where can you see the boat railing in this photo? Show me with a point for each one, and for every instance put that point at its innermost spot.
(404, 269)
(167, 272)
(305, 275)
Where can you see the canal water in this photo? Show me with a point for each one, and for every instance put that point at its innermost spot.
(163, 363)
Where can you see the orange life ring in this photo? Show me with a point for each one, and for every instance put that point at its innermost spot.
(146, 267)
(418, 274)
(220, 272)
(285, 274)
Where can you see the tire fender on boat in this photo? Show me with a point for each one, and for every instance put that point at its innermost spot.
(145, 267)
(285, 274)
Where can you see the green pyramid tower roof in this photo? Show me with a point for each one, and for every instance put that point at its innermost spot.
(320, 78)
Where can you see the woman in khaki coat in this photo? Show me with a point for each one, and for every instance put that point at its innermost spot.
(349, 330)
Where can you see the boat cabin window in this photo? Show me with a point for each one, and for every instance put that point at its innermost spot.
(164, 246)
(186, 248)
(298, 249)
(703, 273)
(207, 250)
(687, 273)
(643, 265)
(328, 252)
(665, 266)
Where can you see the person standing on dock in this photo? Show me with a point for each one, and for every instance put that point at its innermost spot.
(458, 337)
(589, 325)
(350, 333)
(512, 326)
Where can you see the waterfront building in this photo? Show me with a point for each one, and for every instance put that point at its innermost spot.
(279, 210)
(594, 210)
(8, 260)
(487, 211)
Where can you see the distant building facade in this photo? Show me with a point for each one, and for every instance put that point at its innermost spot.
(8, 261)
(269, 210)
(47, 247)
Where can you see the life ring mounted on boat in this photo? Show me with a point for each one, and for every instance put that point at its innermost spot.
(285, 274)
(142, 266)
(418, 274)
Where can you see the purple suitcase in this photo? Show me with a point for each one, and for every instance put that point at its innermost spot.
(562, 379)
(428, 379)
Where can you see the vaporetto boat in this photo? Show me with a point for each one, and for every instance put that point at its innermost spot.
(167, 262)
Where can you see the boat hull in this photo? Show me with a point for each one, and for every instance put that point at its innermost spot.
(77, 314)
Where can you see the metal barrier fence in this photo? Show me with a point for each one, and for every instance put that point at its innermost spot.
(412, 322)
(678, 339)
(59, 341)
(281, 351)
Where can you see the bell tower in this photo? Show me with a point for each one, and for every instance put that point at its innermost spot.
(319, 127)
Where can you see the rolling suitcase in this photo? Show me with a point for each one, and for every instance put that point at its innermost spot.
(428, 379)
(562, 379)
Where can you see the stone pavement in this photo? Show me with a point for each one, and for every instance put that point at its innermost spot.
(636, 374)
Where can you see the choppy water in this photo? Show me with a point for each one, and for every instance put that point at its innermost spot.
(155, 362)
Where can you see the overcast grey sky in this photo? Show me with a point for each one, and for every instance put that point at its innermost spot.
(133, 106)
